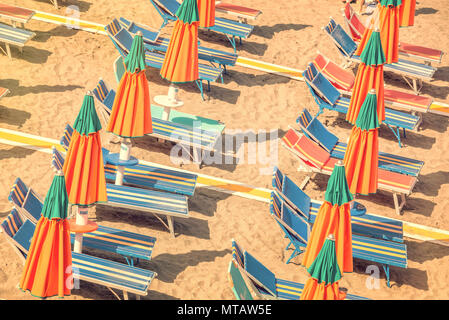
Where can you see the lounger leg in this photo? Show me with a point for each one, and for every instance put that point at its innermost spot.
(387, 274)
(295, 253)
(398, 206)
(170, 226)
(305, 181)
(125, 295)
(197, 156)
(8, 51)
(288, 246)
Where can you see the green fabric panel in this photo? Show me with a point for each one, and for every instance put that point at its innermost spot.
(240, 288)
(325, 267)
(87, 120)
(57, 200)
(367, 118)
(188, 11)
(337, 191)
(373, 54)
(135, 60)
(394, 3)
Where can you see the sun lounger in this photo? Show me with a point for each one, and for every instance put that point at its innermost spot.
(239, 286)
(3, 92)
(316, 131)
(297, 230)
(122, 40)
(156, 43)
(264, 283)
(230, 28)
(343, 80)
(315, 159)
(242, 13)
(12, 36)
(15, 14)
(328, 97)
(127, 244)
(155, 202)
(346, 46)
(110, 274)
(189, 131)
(357, 28)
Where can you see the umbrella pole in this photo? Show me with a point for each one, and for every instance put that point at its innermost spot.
(125, 153)
(81, 220)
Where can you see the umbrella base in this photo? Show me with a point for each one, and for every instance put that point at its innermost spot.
(114, 158)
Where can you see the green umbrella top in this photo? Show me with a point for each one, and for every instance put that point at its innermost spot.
(393, 3)
(373, 53)
(56, 201)
(188, 11)
(325, 266)
(135, 60)
(87, 120)
(367, 118)
(337, 191)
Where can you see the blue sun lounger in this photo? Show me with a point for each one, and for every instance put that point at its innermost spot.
(328, 97)
(316, 131)
(156, 43)
(12, 36)
(239, 288)
(347, 47)
(187, 130)
(127, 244)
(297, 230)
(230, 28)
(155, 202)
(263, 282)
(122, 40)
(110, 274)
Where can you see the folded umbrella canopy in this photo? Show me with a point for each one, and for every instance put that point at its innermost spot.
(407, 13)
(181, 59)
(47, 269)
(206, 10)
(333, 217)
(362, 153)
(324, 275)
(370, 74)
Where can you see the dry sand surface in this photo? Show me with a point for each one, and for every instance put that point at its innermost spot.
(49, 79)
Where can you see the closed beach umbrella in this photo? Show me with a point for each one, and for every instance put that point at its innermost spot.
(83, 166)
(206, 9)
(47, 269)
(324, 275)
(181, 59)
(370, 74)
(362, 153)
(407, 13)
(333, 217)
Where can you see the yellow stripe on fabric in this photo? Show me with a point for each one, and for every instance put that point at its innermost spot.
(129, 244)
(147, 199)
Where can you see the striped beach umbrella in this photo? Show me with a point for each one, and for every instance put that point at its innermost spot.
(407, 13)
(47, 269)
(83, 166)
(324, 275)
(362, 153)
(370, 74)
(333, 217)
(181, 59)
(206, 9)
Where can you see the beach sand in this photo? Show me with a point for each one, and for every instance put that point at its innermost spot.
(59, 65)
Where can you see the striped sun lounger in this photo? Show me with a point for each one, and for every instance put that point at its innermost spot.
(242, 13)
(357, 29)
(122, 40)
(343, 80)
(346, 46)
(155, 202)
(189, 131)
(3, 92)
(263, 282)
(230, 28)
(156, 43)
(315, 159)
(12, 36)
(328, 97)
(316, 131)
(127, 244)
(110, 274)
(297, 229)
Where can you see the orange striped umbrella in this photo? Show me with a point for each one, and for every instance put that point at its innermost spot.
(362, 153)
(47, 269)
(333, 217)
(324, 275)
(407, 13)
(181, 59)
(206, 9)
(370, 74)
